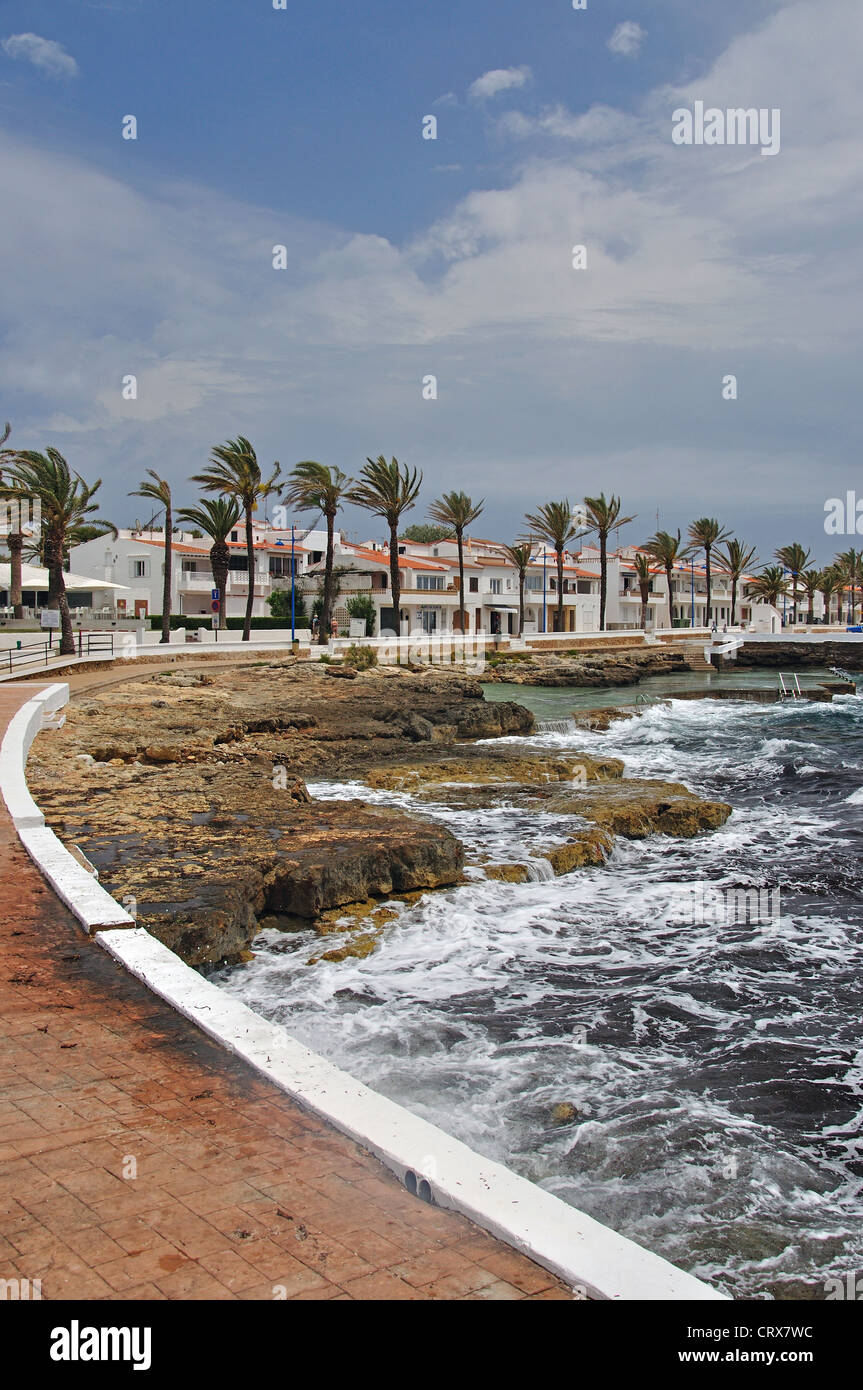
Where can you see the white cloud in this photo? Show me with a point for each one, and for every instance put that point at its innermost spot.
(47, 55)
(627, 39)
(498, 80)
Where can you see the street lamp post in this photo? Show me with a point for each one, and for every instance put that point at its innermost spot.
(293, 589)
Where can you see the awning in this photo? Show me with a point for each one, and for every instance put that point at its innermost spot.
(34, 577)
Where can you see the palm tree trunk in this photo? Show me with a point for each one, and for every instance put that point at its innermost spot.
(668, 572)
(395, 581)
(327, 605)
(57, 592)
(603, 577)
(559, 554)
(219, 556)
(733, 598)
(15, 541)
(709, 587)
(166, 586)
(521, 605)
(643, 614)
(459, 535)
(250, 561)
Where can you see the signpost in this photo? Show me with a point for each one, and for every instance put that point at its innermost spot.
(50, 620)
(216, 606)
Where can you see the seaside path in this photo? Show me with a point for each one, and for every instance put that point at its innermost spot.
(139, 1160)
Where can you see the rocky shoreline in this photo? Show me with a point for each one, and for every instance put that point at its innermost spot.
(187, 791)
(598, 670)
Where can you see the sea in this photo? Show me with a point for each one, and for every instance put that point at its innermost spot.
(670, 1042)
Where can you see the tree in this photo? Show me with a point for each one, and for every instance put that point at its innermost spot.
(849, 567)
(736, 560)
(795, 559)
(279, 603)
(388, 490)
(829, 584)
(555, 525)
(15, 542)
(159, 490)
(519, 556)
(770, 585)
(363, 606)
(456, 510)
(423, 534)
(65, 501)
(811, 581)
(644, 574)
(705, 534)
(317, 487)
(604, 517)
(668, 552)
(235, 472)
(216, 518)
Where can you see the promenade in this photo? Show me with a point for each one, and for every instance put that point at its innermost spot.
(140, 1160)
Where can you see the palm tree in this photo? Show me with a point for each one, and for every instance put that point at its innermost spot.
(235, 472)
(704, 534)
(849, 566)
(811, 581)
(644, 575)
(14, 541)
(159, 490)
(319, 487)
(668, 551)
(604, 517)
(388, 490)
(795, 559)
(519, 556)
(65, 501)
(216, 517)
(829, 584)
(770, 585)
(456, 511)
(736, 559)
(555, 525)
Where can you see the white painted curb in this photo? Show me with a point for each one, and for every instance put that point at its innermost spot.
(80, 891)
(555, 1235)
(586, 1255)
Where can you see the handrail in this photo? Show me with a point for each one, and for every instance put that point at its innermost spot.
(41, 652)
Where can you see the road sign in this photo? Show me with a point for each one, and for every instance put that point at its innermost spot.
(214, 621)
(215, 594)
(215, 605)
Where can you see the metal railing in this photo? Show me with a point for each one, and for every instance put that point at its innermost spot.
(40, 653)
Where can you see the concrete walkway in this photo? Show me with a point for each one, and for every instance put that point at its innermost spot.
(138, 1160)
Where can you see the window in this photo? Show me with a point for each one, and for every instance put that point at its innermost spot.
(582, 586)
(495, 586)
(429, 581)
(189, 566)
(473, 585)
(235, 535)
(280, 564)
(533, 582)
(239, 563)
(139, 569)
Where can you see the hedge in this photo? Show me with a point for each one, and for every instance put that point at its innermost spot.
(233, 624)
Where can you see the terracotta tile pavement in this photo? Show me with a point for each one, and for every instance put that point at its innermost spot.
(237, 1193)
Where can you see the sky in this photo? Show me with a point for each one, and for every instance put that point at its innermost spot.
(408, 258)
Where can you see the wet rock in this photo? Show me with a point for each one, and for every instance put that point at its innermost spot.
(586, 849)
(564, 1113)
(507, 873)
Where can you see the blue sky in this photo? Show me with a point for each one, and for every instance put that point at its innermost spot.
(452, 257)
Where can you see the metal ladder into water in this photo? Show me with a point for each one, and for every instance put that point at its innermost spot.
(791, 691)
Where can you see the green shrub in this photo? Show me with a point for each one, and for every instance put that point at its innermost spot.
(363, 606)
(361, 657)
(279, 603)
